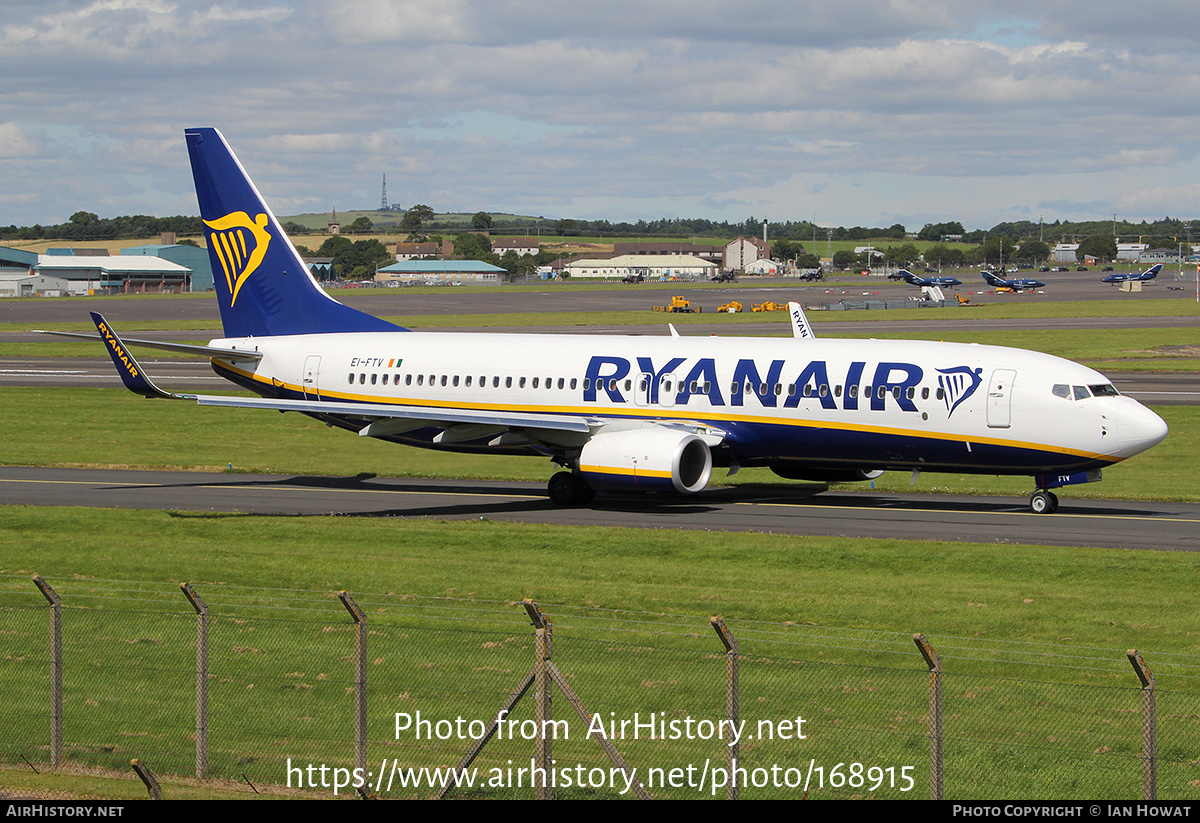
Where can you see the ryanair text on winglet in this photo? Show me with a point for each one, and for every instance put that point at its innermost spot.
(113, 344)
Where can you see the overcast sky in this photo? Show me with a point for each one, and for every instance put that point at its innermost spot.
(854, 112)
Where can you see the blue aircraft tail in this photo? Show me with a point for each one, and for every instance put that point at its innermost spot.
(262, 285)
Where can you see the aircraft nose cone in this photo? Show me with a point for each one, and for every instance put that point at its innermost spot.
(1138, 428)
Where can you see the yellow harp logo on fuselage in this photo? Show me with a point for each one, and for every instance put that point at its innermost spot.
(240, 244)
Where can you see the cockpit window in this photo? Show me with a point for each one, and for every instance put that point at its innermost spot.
(1081, 392)
(1062, 390)
(1105, 390)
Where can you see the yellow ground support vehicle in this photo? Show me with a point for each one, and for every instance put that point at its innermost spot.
(732, 307)
(677, 305)
(770, 305)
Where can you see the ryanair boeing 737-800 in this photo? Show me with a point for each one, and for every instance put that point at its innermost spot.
(633, 413)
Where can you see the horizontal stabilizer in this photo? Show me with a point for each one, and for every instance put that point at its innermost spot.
(179, 348)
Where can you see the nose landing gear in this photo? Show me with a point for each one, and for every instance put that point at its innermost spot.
(1043, 502)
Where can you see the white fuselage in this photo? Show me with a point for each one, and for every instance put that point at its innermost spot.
(846, 403)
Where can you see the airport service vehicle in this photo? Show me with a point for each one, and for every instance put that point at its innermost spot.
(678, 305)
(625, 413)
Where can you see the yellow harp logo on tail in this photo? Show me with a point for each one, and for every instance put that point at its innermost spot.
(240, 244)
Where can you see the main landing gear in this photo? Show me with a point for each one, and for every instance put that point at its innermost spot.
(568, 489)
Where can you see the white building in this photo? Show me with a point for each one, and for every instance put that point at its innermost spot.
(1065, 252)
(521, 245)
(17, 284)
(647, 265)
(124, 274)
(470, 272)
(424, 251)
(764, 266)
(742, 252)
(1130, 251)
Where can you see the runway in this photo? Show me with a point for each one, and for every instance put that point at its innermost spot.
(769, 509)
(553, 297)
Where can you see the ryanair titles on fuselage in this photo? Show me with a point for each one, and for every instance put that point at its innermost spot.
(610, 378)
(605, 374)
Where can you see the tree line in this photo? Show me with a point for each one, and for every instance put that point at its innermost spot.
(1020, 241)
(84, 225)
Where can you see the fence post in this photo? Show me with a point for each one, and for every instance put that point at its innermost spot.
(935, 715)
(360, 680)
(1149, 726)
(543, 646)
(56, 698)
(732, 710)
(147, 776)
(201, 678)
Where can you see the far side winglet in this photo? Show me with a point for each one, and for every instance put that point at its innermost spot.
(131, 372)
(800, 325)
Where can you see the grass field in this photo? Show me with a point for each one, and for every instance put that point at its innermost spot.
(1006, 620)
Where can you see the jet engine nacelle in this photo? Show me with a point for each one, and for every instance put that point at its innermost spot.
(825, 475)
(648, 459)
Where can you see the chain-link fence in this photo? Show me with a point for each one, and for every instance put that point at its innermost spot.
(389, 693)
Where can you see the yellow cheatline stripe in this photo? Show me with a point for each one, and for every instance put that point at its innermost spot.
(632, 472)
(712, 417)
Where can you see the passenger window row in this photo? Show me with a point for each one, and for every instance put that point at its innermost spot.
(362, 378)
(694, 387)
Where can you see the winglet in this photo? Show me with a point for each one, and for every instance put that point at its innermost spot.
(800, 324)
(132, 375)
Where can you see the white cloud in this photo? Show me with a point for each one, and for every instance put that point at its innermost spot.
(695, 108)
(16, 144)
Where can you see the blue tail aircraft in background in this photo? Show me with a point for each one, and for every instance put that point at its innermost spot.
(914, 280)
(1016, 284)
(632, 413)
(1130, 277)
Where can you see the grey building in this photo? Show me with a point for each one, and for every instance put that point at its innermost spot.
(190, 257)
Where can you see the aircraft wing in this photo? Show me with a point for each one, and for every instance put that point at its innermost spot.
(380, 411)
